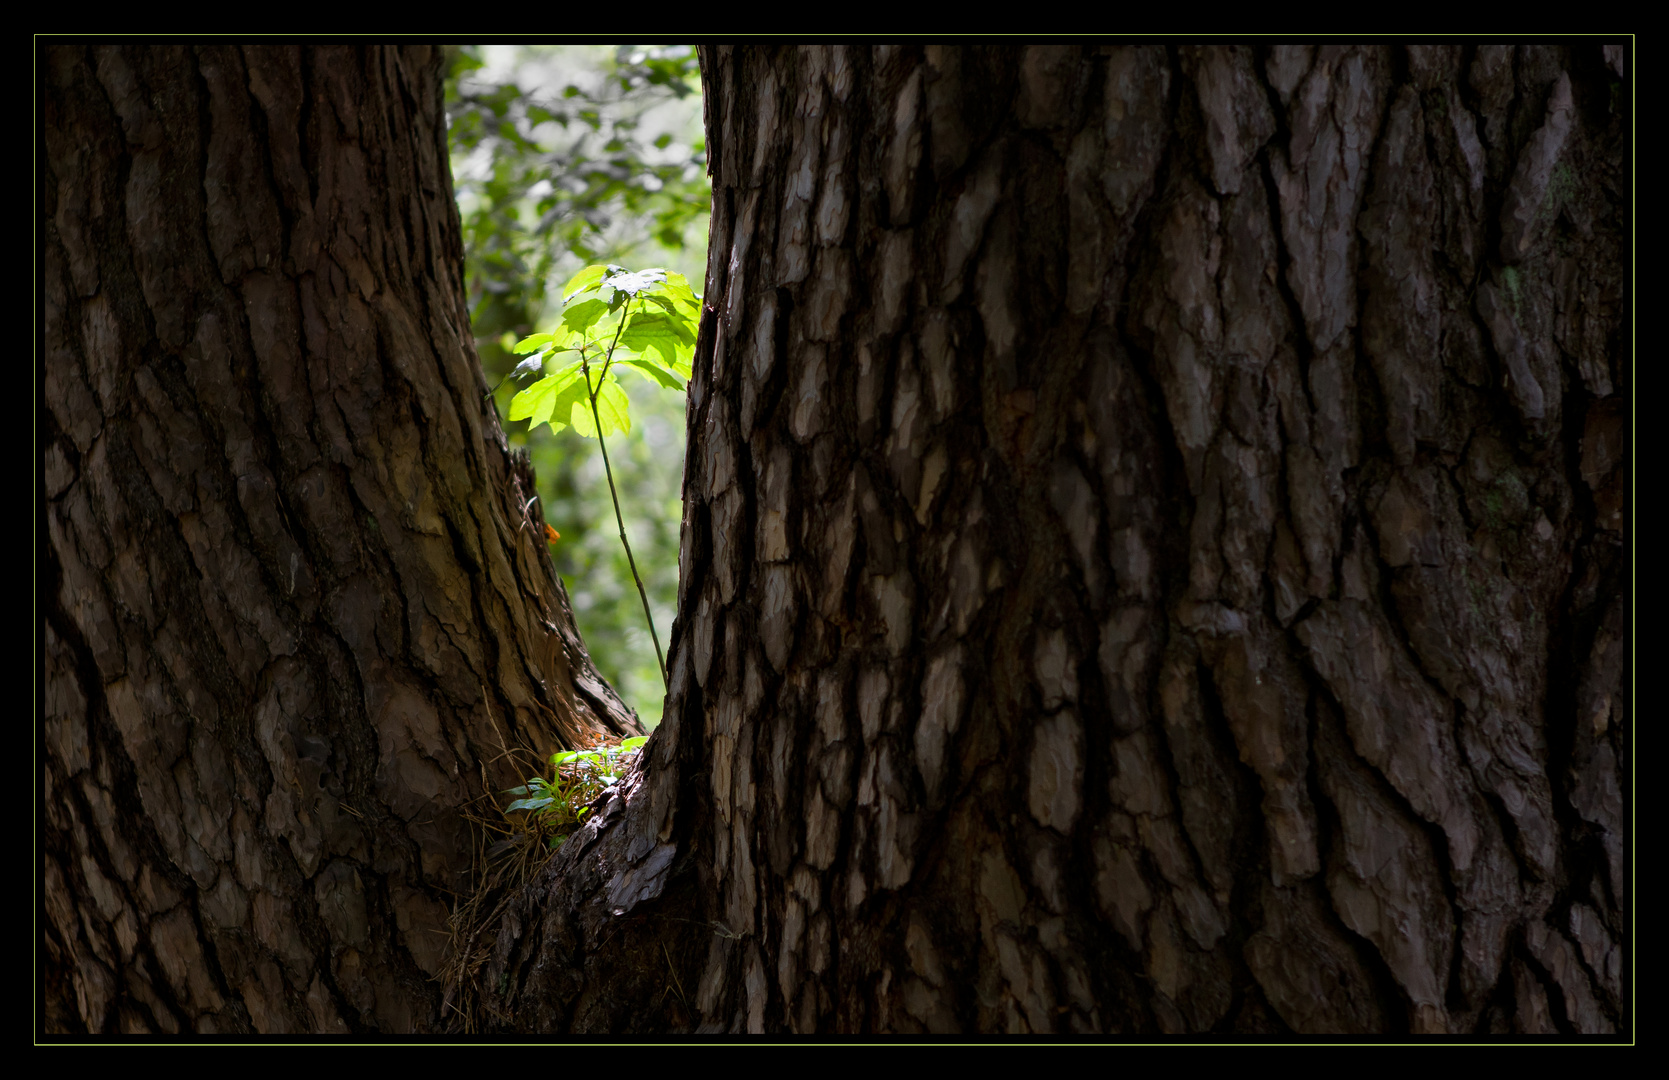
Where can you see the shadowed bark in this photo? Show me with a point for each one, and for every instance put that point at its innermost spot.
(1151, 557)
(297, 608)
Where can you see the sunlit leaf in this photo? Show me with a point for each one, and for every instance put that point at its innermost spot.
(678, 287)
(530, 401)
(666, 334)
(550, 399)
(582, 315)
(655, 373)
(612, 406)
(583, 281)
(531, 343)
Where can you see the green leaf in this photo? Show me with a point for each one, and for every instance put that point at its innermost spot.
(584, 314)
(678, 287)
(532, 343)
(571, 407)
(668, 335)
(612, 409)
(655, 373)
(529, 804)
(584, 281)
(522, 790)
(534, 400)
(665, 303)
(628, 745)
(552, 399)
(540, 400)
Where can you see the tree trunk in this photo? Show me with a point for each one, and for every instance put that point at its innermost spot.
(1151, 560)
(298, 611)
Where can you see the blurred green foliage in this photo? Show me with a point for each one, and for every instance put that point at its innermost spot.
(564, 156)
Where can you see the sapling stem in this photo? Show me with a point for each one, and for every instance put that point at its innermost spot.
(608, 471)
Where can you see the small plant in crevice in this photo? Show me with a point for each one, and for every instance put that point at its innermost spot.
(527, 832)
(556, 807)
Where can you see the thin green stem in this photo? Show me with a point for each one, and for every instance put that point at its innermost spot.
(585, 366)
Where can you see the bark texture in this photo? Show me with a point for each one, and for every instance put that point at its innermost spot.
(297, 606)
(1152, 557)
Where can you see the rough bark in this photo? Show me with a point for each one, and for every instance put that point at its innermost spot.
(297, 609)
(1151, 560)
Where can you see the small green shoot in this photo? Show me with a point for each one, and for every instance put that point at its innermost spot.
(527, 832)
(612, 318)
(558, 806)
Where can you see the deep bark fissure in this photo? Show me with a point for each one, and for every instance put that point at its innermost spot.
(1393, 999)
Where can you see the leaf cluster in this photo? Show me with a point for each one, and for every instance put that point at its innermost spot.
(559, 805)
(644, 321)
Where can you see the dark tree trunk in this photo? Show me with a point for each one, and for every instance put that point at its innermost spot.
(1151, 561)
(297, 607)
